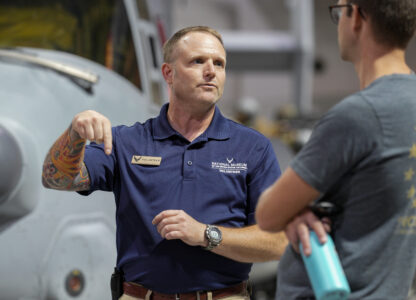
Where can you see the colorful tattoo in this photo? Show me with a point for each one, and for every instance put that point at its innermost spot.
(64, 167)
(66, 155)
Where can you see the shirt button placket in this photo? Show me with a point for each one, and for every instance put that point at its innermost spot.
(188, 168)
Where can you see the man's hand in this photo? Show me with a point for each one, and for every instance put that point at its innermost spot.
(95, 127)
(177, 224)
(298, 230)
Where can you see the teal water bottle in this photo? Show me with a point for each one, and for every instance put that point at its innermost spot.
(325, 271)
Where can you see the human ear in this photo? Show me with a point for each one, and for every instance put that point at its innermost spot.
(167, 72)
(356, 16)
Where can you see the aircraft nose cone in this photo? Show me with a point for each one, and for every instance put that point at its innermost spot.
(11, 163)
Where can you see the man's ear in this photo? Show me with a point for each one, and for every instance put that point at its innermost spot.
(357, 18)
(167, 72)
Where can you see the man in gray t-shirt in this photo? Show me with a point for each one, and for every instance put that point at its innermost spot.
(366, 168)
(362, 158)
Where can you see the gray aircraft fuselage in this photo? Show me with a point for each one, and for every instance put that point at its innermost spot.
(54, 244)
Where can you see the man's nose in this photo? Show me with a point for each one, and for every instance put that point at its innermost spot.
(209, 69)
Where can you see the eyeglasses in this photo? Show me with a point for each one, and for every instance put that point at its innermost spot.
(335, 11)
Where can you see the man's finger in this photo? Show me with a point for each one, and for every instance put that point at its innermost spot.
(165, 222)
(81, 132)
(327, 224)
(303, 233)
(174, 235)
(89, 132)
(168, 228)
(108, 138)
(97, 127)
(318, 227)
(164, 214)
(291, 235)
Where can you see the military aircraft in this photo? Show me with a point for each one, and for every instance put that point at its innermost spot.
(58, 58)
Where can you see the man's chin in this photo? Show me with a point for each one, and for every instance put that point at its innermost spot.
(210, 100)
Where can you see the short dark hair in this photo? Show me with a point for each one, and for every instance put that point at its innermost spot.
(170, 44)
(393, 21)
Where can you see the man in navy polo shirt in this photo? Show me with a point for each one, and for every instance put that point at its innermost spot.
(186, 183)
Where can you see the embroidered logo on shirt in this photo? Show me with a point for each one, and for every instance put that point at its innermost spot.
(229, 167)
(146, 160)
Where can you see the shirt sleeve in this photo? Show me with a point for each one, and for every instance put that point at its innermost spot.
(265, 173)
(343, 139)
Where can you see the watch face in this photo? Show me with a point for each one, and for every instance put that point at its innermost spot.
(215, 234)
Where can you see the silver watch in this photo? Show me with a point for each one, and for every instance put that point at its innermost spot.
(214, 236)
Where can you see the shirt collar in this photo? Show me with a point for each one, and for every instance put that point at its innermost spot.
(217, 130)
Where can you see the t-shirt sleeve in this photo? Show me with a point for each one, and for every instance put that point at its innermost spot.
(101, 167)
(265, 173)
(343, 139)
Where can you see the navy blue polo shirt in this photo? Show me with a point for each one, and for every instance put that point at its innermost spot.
(216, 179)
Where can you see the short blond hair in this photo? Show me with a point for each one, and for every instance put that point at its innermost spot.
(169, 46)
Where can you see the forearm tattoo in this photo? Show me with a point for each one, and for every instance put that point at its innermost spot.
(64, 168)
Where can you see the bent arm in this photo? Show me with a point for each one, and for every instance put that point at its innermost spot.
(251, 244)
(285, 199)
(247, 244)
(63, 168)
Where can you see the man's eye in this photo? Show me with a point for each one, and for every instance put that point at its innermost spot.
(198, 61)
(219, 63)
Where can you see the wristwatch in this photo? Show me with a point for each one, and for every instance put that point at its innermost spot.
(214, 236)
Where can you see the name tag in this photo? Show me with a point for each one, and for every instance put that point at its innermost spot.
(146, 160)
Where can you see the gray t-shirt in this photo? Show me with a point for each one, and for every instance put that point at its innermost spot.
(362, 156)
